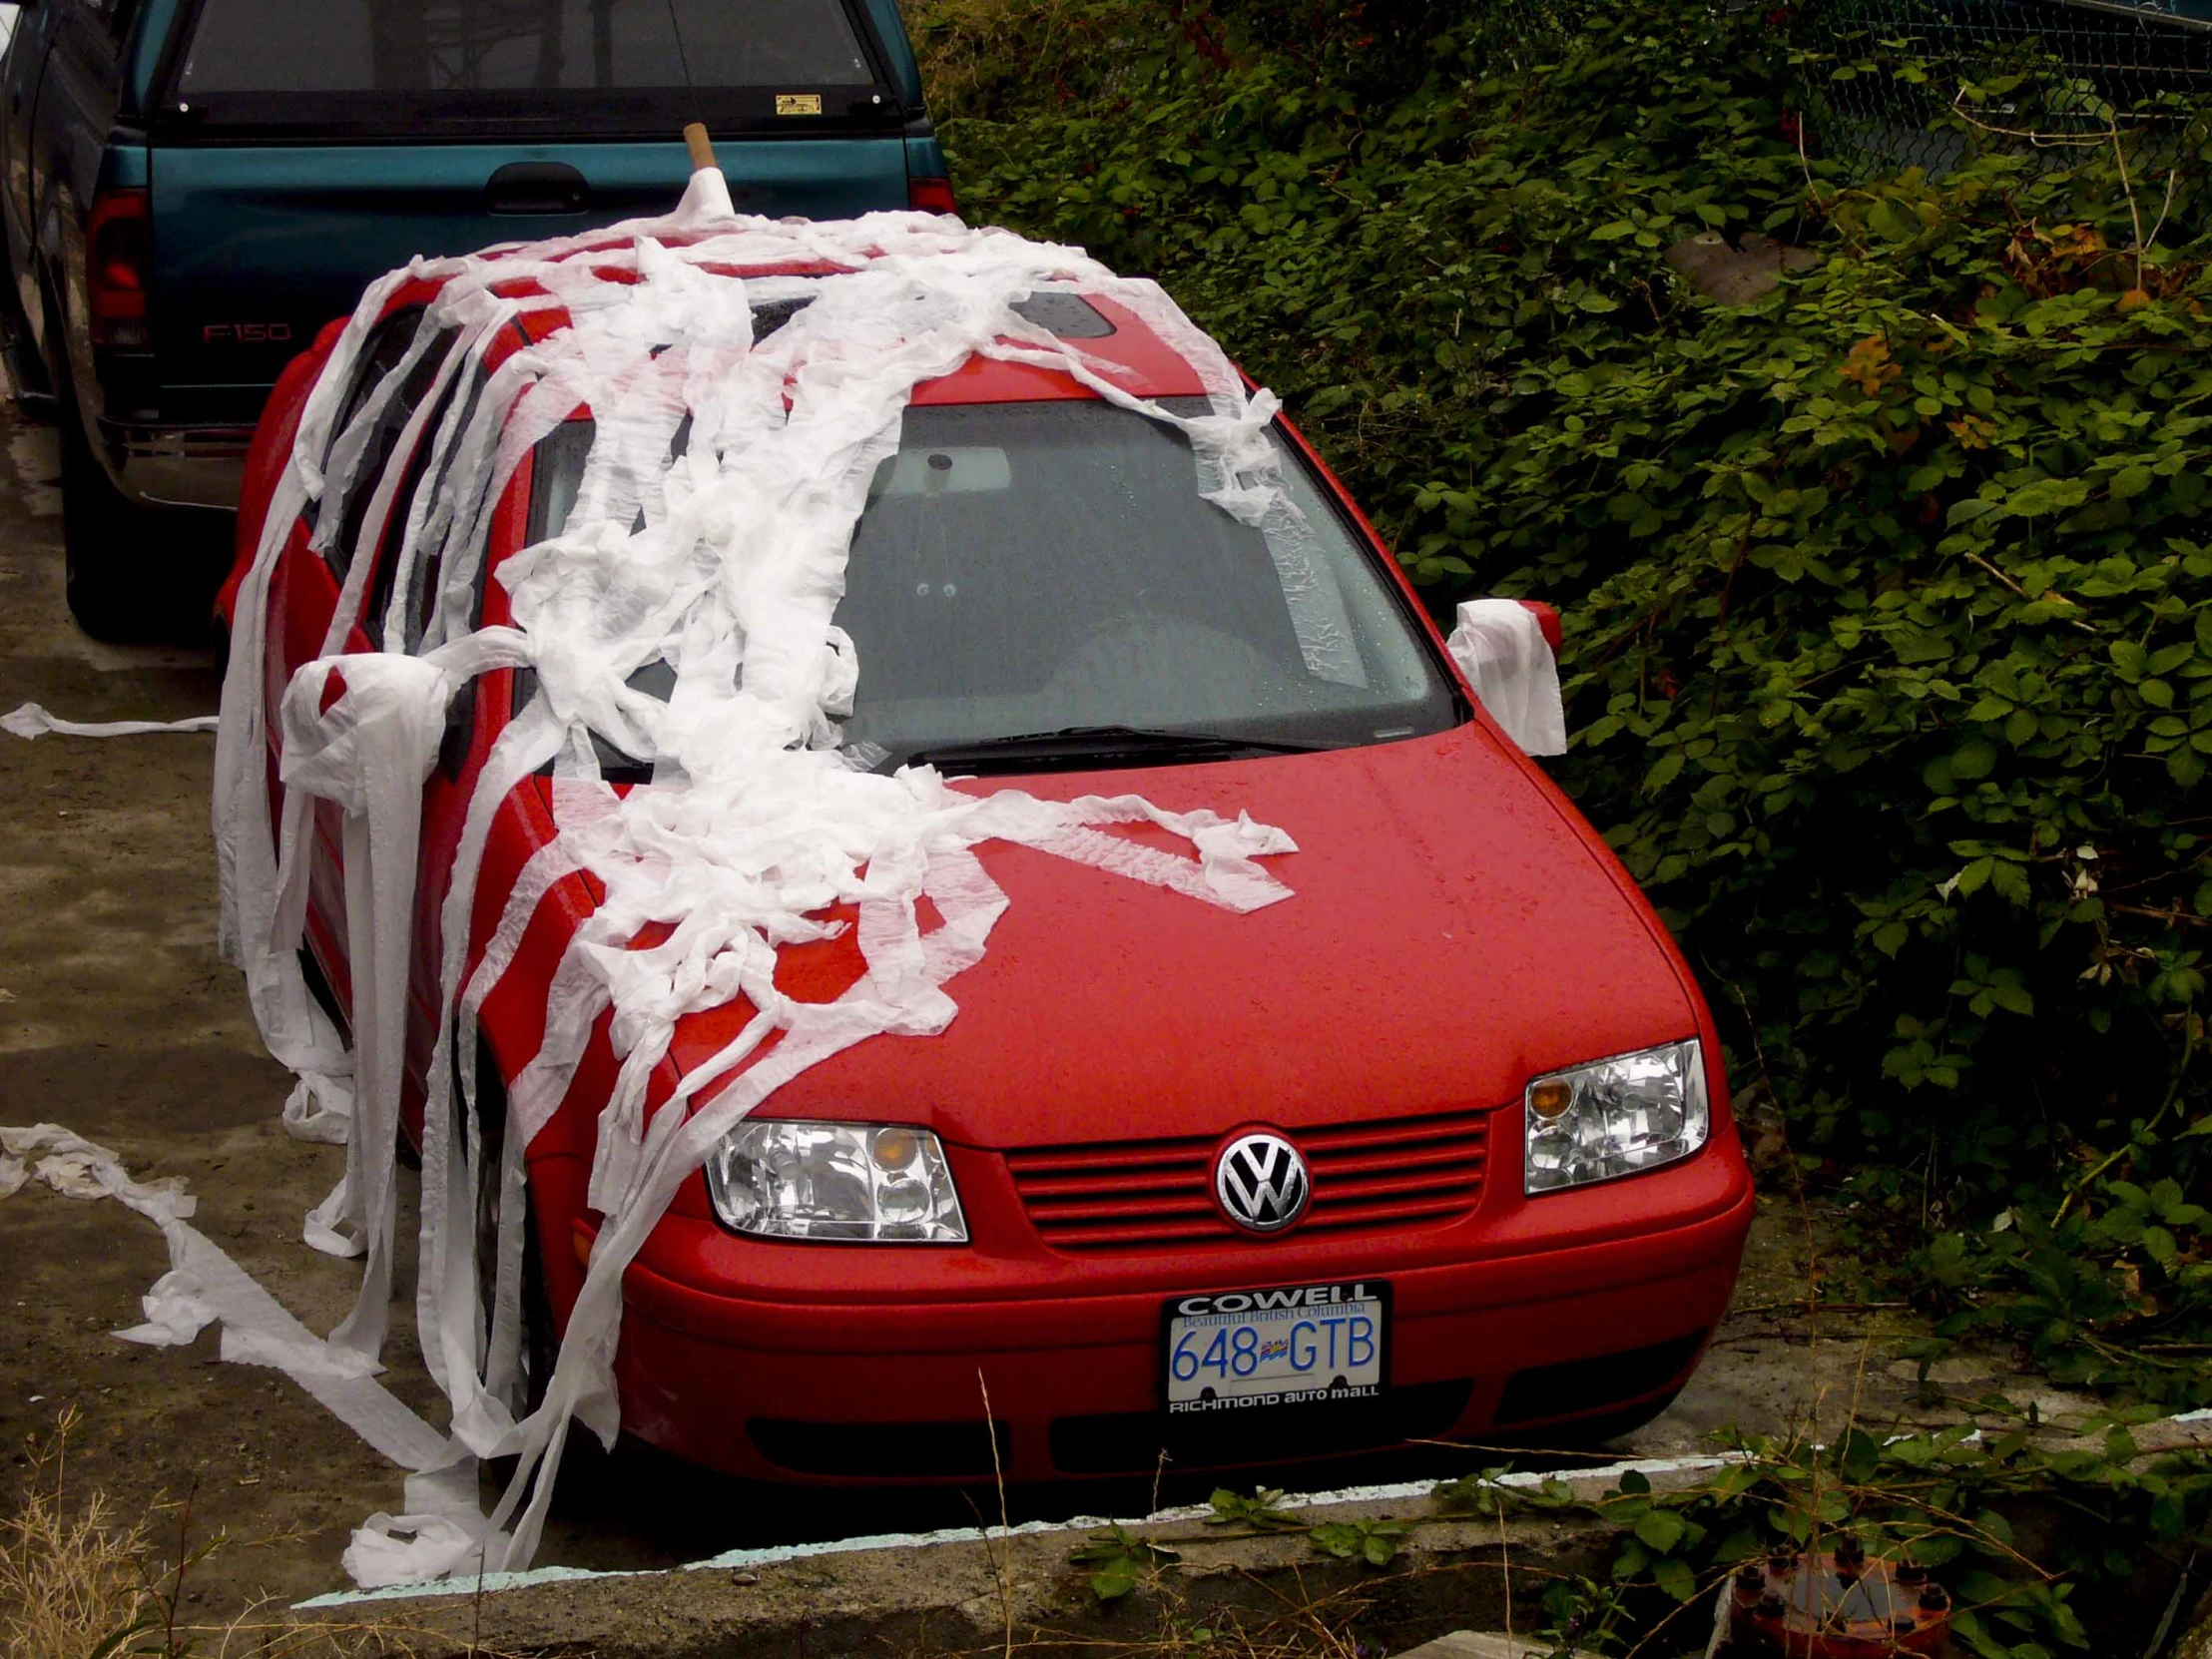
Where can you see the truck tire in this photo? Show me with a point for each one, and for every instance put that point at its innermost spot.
(109, 544)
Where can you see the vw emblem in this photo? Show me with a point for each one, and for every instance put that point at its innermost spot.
(1261, 1182)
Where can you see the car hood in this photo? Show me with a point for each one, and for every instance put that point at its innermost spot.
(1454, 928)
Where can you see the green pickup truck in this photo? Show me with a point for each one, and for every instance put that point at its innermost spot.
(193, 188)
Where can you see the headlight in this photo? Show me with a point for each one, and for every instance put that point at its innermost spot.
(784, 1180)
(1616, 1117)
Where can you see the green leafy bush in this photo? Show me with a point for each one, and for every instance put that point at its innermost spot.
(2106, 1519)
(1887, 653)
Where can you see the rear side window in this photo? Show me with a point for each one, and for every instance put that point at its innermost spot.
(422, 589)
(386, 350)
(480, 62)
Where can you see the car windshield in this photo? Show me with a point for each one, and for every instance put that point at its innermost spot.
(1051, 568)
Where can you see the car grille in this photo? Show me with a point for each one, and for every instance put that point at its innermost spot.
(1150, 1195)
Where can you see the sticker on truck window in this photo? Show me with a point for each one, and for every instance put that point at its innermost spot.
(798, 103)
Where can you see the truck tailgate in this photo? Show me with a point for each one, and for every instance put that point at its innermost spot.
(255, 248)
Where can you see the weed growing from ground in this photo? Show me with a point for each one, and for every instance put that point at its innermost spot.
(72, 1574)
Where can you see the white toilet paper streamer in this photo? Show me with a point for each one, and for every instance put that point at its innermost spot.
(321, 1107)
(754, 824)
(1501, 648)
(445, 1522)
(32, 720)
(204, 1285)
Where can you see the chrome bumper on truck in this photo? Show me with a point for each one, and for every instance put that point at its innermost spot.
(176, 466)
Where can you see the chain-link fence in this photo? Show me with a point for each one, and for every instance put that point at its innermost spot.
(1889, 84)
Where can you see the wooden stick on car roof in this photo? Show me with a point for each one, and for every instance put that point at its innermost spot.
(702, 147)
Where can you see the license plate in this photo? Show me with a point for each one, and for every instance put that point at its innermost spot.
(1239, 1350)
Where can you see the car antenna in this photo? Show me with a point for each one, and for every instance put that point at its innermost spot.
(701, 145)
(695, 130)
(690, 96)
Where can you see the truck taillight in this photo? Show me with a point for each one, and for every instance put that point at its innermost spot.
(119, 248)
(931, 195)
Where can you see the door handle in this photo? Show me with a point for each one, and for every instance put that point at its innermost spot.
(540, 190)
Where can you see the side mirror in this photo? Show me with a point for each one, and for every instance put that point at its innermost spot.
(1515, 679)
(1547, 619)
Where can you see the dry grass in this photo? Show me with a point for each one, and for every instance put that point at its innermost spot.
(78, 1583)
(70, 1574)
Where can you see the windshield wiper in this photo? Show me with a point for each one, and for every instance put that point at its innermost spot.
(1077, 747)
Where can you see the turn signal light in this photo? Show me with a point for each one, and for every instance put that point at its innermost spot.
(119, 250)
(1548, 1100)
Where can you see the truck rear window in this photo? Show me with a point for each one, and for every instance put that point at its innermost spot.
(648, 64)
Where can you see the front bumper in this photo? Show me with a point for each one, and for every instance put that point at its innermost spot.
(1520, 1339)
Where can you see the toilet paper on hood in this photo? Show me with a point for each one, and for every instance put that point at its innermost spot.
(725, 564)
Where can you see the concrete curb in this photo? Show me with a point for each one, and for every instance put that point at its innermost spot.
(956, 1593)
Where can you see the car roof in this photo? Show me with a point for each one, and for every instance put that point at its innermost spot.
(1119, 344)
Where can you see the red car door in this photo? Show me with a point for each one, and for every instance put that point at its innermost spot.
(478, 711)
(474, 719)
(303, 595)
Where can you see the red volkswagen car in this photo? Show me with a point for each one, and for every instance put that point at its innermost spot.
(1441, 1148)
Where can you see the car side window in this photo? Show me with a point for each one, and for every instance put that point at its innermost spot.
(559, 472)
(424, 582)
(386, 348)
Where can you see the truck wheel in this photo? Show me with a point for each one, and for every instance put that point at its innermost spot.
(108, 544)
